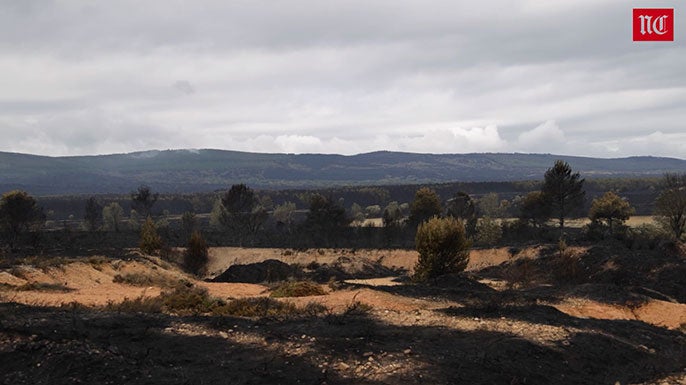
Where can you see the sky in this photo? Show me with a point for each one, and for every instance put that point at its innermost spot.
(346, 77)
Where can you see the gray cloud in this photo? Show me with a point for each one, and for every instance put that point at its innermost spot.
(346, 77)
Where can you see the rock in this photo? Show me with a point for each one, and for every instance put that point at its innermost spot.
(407, 352)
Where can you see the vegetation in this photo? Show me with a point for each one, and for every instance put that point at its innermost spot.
(145, 280)
(325, 218)
(563, 190)
(426, 204)
(142, 200)
(93, 217)
(206, 170)
(112, 216)
(610, 210)
(189, 224)
(150, 240)
(670, 205)
(18, 213)
(534, 209)
(488, 232)
(297, 289)
(284, 215)
(241, 212)
(392, 215)
(196, 256)
(461, 206)
(194, 300)
(443, 248)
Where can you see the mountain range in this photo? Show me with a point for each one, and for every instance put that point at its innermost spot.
(186, 171)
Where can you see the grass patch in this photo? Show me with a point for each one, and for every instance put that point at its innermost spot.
(185, 300)
(258, 307)
(145, 280)
(357, 308)
(48, 287)
(297, 289)
(139, 304)
(192, 300)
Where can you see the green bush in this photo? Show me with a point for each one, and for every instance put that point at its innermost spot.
(443, 248)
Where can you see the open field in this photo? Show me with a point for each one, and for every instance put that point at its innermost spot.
(506, 320)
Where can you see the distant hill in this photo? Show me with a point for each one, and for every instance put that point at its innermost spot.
(206, 170)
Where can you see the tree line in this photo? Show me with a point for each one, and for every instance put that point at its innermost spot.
(241, 216)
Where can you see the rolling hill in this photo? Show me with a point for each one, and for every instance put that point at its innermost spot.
(206, 170)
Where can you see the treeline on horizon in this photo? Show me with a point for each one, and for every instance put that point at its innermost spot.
(639, 192)
(495, 213)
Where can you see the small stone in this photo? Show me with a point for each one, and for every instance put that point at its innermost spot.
(343, 366)
(223, 335)
(367, 354)
(407, 352)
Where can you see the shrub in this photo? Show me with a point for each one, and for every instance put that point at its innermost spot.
(297, 289)
(150, 240)
(520, 274)
(186, 299)
(193, 300)
(139, 304)
(258, 307)
(443, 248)
(139, 279)
(646, 236)
(610, 210)
(43, 286)
(196, 256)
(357, 308)
(567, 265)
(488, 232)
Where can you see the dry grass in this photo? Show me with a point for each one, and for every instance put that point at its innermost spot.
(193, 300)
(38, 286)
(297, 289)
(631, 222)
(141, 304)
(520, 274)
(145, 280)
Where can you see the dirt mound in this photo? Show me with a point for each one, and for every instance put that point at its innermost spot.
(349, 268)
(271, 270)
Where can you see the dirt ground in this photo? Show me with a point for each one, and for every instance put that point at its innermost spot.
(476, 327)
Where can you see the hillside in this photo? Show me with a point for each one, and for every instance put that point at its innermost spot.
(206, 170)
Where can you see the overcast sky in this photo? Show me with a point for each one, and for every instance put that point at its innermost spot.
(563, 77)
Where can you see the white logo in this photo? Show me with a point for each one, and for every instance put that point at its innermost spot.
(650, 26)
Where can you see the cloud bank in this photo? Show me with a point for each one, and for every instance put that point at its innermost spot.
(338, 77)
